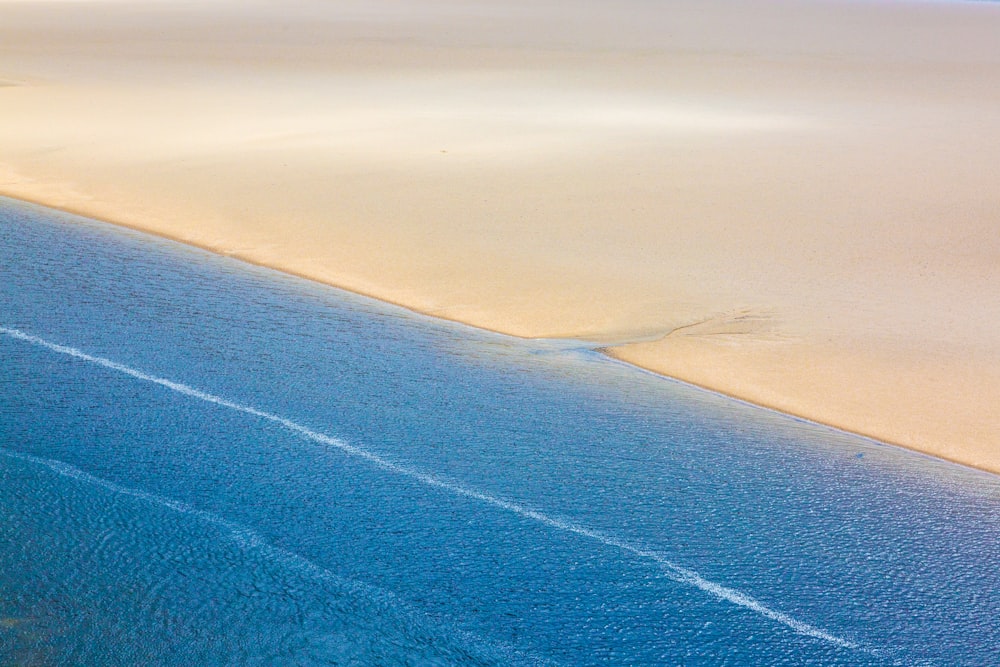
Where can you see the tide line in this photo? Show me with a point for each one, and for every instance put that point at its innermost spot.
(674, 571)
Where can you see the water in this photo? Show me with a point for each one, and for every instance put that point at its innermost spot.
(205, 462)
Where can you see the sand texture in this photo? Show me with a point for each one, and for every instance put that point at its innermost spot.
(795, 203)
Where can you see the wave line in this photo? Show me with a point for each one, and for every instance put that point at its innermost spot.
(676, 572)
(250, 540)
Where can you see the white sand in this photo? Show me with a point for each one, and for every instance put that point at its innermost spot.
(813, 185)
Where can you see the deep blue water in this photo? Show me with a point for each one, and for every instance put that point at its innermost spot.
(205, 462)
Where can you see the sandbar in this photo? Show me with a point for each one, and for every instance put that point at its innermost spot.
(793, 203)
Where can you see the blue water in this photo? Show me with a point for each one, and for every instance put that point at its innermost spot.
(204, 462)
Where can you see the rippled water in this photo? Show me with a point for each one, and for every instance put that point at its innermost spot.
(205, 462)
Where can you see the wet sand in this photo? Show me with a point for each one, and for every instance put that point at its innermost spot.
(792, 203)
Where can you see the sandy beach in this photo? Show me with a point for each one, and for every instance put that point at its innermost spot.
(793, 203)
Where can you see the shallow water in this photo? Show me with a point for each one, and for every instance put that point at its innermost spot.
(205, 462)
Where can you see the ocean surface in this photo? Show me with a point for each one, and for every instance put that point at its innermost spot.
(204, 462)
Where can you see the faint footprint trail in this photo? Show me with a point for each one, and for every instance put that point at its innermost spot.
(676, 572)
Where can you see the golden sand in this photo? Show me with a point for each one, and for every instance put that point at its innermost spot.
(795, 203)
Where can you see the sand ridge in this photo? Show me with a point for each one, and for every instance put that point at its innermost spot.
(804, 193)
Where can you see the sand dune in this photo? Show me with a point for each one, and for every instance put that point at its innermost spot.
(792, 202)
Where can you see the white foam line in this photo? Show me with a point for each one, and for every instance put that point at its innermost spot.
(243, 537)
(676, 572)
(249, 540)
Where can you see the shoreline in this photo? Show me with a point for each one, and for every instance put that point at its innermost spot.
(787, 202)
(606, 351)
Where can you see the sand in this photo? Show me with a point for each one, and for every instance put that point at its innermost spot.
(794, 203)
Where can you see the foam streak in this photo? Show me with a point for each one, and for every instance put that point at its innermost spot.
(676, 572)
